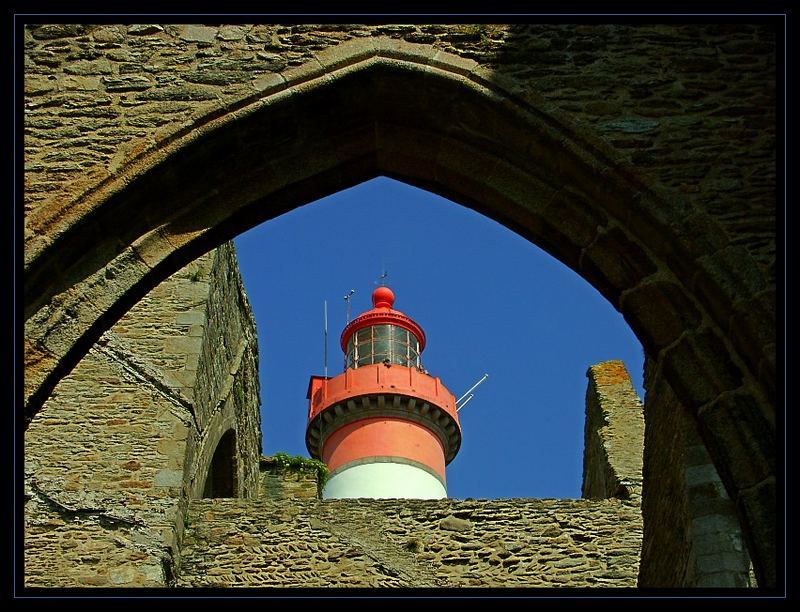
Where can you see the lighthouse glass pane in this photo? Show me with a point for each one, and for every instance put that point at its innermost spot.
(381, 347)
(350, 353)
(379, 343)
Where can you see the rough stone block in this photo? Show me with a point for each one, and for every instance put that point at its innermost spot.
(717, 579)
(714, 524)
(453, 63)
(452, 523)
(722, 562)
(198, 33)
(659, 312)
(614, 263)
(230, 32)
(349, 52)
(725, 277)
(752, 327)
(713, 543)
(699, 370)
(572, 214)
(741, 439)
(86, 67)
(183, 345)
(630, 124)
(269, 83)
(168, 478)
(701, 474)
(191, 317)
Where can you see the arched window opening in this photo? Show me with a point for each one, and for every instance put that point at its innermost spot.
(221, 480)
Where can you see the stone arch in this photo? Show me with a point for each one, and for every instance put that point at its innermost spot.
(216, 466)
(699, 305)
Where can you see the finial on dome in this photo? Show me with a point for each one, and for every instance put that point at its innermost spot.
(382, 297)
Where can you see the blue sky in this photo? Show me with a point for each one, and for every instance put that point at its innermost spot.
(489, 302)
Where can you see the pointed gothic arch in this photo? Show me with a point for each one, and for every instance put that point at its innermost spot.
(699, 305)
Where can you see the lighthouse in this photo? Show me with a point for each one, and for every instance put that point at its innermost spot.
(384, 427)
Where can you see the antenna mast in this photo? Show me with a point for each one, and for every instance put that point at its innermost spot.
(464, 399)
(326, 338)
(382, 278)
(347, 301)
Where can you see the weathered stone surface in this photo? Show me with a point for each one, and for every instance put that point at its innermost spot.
(453, 523)
(612, 455)
(659, 312)
(650, 69)
(631, 125)
(688, 110)
(613, 263)
(129, 83)
(282, 483)
(144, 29)
(197, 33)
(699, 369)
(690, 502)
(113, 457)
(338, 543)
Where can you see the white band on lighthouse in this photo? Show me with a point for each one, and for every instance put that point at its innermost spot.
(384, 480)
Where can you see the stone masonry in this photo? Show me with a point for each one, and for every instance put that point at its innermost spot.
(692, 504)
(126, 438)
(680, 106)
(412, 543)
(641, 155)
(612, 461)
(284, 483)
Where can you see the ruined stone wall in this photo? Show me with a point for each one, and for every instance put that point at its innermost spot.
(692, 104)
(613, 434)
(226, 386)
(690, 503)
(106, 470)
(278, 482)
(411, 543)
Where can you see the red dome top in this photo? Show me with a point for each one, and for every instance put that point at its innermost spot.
(382, 297)
(382, 314)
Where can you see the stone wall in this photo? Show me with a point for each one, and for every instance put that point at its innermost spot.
(118, 448)
(114, 113)
(690, 502)
(225, 380)
(613, 434)
(411, 543)
(693, 104)
(279, 482)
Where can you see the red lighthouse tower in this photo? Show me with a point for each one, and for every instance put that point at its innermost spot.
(384, 427)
